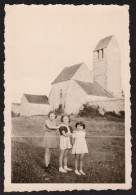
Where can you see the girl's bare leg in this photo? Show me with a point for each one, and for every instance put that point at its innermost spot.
(46, 157)
(65, 160)
(49, 156)
(81, 161)
(65, 157)
(76, 164)
(81, 164)
(61, 158)
(76, 161)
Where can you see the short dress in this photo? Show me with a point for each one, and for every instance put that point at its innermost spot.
(50, 138)
(80, 145)
(65, 142)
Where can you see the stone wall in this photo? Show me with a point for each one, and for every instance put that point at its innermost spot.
(112, 105)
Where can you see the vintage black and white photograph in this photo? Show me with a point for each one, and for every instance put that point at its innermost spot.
(67, 106)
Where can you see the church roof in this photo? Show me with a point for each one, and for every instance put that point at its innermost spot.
(93, 89)
(103, 43)
(36, 99)
(67, 73)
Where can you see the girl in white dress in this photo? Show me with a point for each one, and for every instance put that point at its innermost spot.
(79, 147)
(65, 143)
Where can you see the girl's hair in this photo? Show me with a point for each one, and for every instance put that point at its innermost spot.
(64, 115)
(81, 124)
(52, 112)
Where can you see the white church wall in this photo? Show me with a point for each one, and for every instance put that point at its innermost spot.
(100, 68)
(84, 74)
(107, 68)
(54, 97)
(75, 98)
(114, 68)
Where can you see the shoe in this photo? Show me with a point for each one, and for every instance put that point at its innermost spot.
(77, 172)
(50, 167)
(62, 170)
(81, 171)
(47, 169)
(68, 169)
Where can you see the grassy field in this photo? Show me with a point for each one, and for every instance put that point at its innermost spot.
(105, 162)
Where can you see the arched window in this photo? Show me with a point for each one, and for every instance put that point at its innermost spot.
(61, 93)
(98, 54)
(102, 53)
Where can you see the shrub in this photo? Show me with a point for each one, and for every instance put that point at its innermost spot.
(89, 110)
(114, 116)
(95, 111)
(59, 110)
(111, 113)
(13, 114)
(122, 114)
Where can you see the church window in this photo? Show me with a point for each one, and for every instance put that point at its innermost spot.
(61, 93)
(102, 53)
(98, 54)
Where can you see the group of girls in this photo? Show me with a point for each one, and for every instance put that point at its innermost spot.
(67, 139)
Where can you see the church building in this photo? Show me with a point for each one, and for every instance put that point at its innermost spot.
(77, 85)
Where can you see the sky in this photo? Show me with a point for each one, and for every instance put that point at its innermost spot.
(41, 40)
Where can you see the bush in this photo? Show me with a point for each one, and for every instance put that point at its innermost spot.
(96, 111)
(114, 116)
(111, 113)
(122, 114)
(13, 114)
(89, 110)
(59, 110)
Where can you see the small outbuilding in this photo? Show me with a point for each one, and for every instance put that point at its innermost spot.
(34, 105)
(15, 108)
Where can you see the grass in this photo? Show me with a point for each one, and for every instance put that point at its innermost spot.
(105, 162)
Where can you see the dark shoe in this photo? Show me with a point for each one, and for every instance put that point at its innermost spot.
(47, 169)
(50, 167)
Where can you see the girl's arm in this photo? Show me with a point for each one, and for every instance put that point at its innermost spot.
(51, 127)
(66, 134)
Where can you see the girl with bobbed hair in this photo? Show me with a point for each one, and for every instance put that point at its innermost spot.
(65, 143)
(50, 139)
(79, 146)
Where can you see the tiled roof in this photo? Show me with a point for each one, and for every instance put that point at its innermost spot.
(36, 99)
(93, 89)
(67, 73)
(103, 43)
